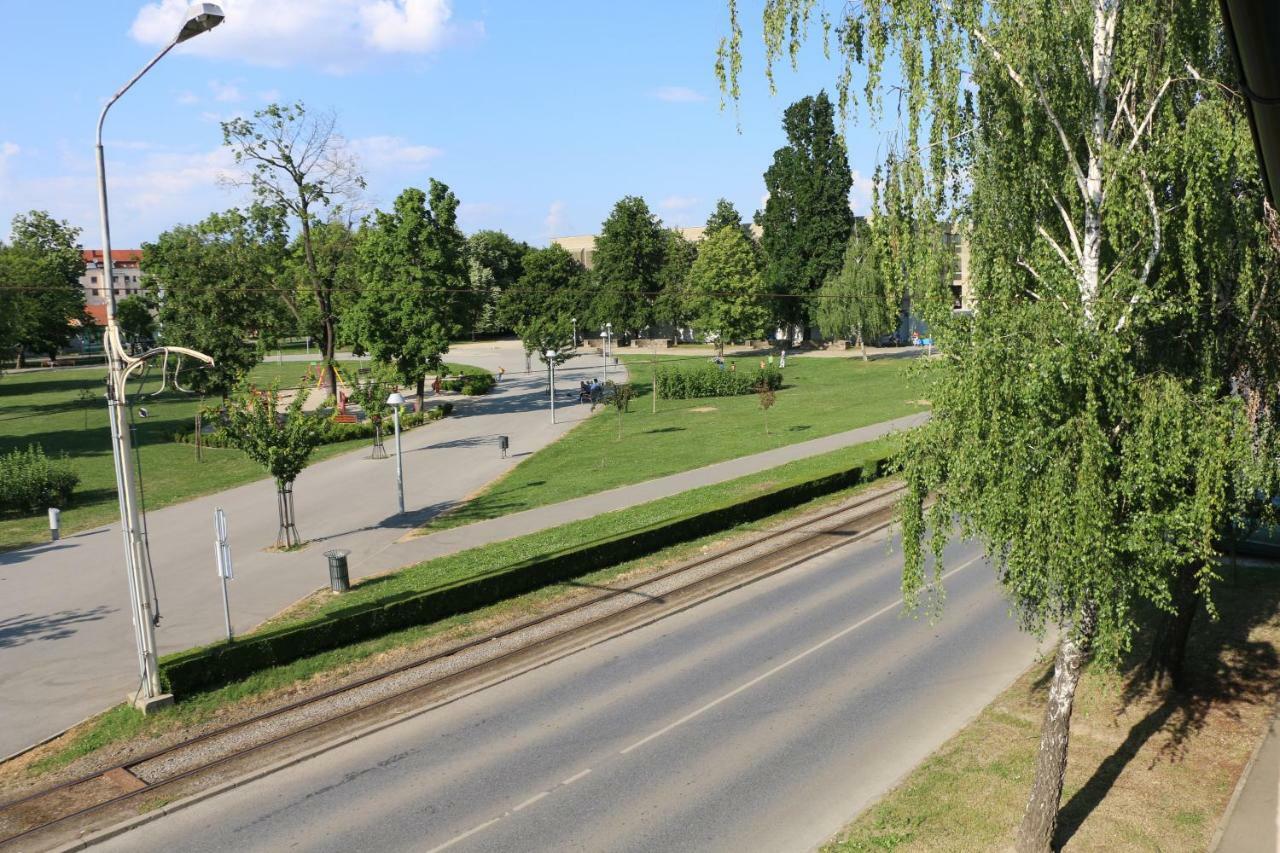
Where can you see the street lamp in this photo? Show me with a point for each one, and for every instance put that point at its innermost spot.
(396, 402)
(550, 356)
(575, 332)
(201, 18)
(607, 334)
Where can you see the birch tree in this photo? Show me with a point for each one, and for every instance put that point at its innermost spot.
(1106, 411)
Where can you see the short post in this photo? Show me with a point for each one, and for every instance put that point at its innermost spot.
(503, 443)
(339, 579)
(199, 436)
(55, 522)
(222, 553)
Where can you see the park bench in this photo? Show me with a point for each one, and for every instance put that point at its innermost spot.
(344, 418)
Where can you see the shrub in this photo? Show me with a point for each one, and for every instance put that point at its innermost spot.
(332, 432)
(687, 383)
(470, 384)
(31, 482)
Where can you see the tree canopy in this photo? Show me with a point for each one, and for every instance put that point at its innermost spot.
(494, 264)
(628, 263)
(726, 295)
(40, 292)
(854, 302)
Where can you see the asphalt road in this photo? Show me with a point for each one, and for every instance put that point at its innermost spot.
(761, 720)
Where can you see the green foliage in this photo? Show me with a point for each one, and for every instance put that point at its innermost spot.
(471, 384)
(855, 301)
(135, 320)
(279, 442)
(726, 216)
(552, 287)
(690, 383)
(369, 391)
(541, 335)
(412, 264)
(620, 395)
(31, 482)
(726, 296)
(210, 666)
(671, 306)
(328, 431)
(627, 267)
(494, 265)
(211, 281)
(40, 292)
(806, 219)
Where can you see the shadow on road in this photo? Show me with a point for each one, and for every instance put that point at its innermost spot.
(27, 628)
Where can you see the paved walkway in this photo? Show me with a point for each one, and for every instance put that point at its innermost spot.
(66, 644)
(1253, 825)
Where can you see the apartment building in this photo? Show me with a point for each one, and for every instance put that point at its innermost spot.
(126, 272)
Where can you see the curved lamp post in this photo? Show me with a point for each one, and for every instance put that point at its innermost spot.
(201, 18)
(396, 402)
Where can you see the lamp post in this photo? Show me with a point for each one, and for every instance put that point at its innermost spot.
(575, 332)
(550, 356)
(396, 402)
(201, 18)
(607, 334)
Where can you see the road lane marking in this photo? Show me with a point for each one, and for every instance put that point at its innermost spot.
(802, 655)
(488, 823)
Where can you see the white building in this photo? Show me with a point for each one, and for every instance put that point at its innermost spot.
(127, 272)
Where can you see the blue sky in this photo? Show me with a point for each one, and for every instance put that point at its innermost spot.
(538, 115)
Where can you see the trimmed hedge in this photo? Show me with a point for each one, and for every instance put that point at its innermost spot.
(470, 384)
(212, 666)
(689, 383)
(332, 432)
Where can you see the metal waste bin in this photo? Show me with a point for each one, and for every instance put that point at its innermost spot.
(503, 444)
(339, 581)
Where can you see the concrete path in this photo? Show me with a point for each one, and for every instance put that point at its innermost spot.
(417, 549)
(760, 720)
(1253, 823)
(66, 640)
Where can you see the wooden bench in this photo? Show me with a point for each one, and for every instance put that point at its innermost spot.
(344, 418)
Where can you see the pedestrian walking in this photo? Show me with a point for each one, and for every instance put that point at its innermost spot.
(782, 362)
(501, 372)
(435, 386)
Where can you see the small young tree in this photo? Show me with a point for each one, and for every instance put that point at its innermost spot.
(767, 399)
(620, 395)
(854, 301)
(370, 392)
(281, 443)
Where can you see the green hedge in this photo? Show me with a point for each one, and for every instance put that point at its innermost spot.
(212, 666)
(689, 383)
(470, 384)
(31, 482)
(332, 432)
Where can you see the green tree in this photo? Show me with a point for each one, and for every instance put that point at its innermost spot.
(334, 244)
(855, 301)
(673, 279)
(413, 268)
(726, 216)
(279, 442)
(627, 266)
(1107, 410)
(213, 284)
(370, 391)
(297, 163)
(40, 292)
(726, 295)
(806, 219)
(494, 264)
(135, 320)
(552, 286)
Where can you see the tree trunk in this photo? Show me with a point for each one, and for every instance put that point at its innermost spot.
(422, 393)
(862, 344)
(330, 347)
(19, 359)
(1040, 820)
(1169, 647)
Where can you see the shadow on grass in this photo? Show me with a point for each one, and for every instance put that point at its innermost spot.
(1223, 667)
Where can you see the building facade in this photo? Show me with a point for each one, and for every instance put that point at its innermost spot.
(126, 272)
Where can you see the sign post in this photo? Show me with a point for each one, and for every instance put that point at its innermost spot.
(222, 552)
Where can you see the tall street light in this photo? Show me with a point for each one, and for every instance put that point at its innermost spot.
(201, 18)
(396, 402)
(575, 333)
(607, 334)
(550, 355)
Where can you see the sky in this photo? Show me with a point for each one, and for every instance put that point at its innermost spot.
(539, 116)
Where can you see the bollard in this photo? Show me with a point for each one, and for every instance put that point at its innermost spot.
(503, 444)
(55, 522)
(339, 581)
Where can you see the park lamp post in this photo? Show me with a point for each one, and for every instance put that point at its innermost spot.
(396, 402)
(550, 356)
(607, 334)
(201, 18)
(575, 332)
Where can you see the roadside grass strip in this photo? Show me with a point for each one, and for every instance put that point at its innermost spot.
(1149, 769)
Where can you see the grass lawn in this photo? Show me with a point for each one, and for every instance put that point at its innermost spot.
(820, 396)
(1148, 769)
(124, 723)
(45, 408)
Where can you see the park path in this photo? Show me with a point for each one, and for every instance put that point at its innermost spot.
(66, 643)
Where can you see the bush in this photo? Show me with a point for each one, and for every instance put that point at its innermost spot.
(332, 432)
(211, 666)
(31, 482)
(470, 384)
(687, 383)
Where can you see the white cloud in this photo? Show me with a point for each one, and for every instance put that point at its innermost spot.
(678, 95)
(9, 149)
(336, 35)
(226, 92)
(378, 153)
(555, 221)
(678, 202)
(860, 194)
(188, 98)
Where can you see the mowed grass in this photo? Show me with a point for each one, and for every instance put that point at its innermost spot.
(47, 408)
(124, 723)
(820, 396)
(1148, 769)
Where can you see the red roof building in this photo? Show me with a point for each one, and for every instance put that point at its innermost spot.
(126, 269)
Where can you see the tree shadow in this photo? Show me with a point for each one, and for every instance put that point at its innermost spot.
(663, 429)
(1224, 668)
(28, 628)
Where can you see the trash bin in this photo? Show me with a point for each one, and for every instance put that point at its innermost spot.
(503, 444)
(339, 581)
(55, 519)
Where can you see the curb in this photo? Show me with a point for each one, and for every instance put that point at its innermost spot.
(1221, 829)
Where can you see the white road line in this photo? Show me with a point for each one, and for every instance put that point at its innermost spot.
(467, 834)
(759, 678)
(575, 777)
(530, 801)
